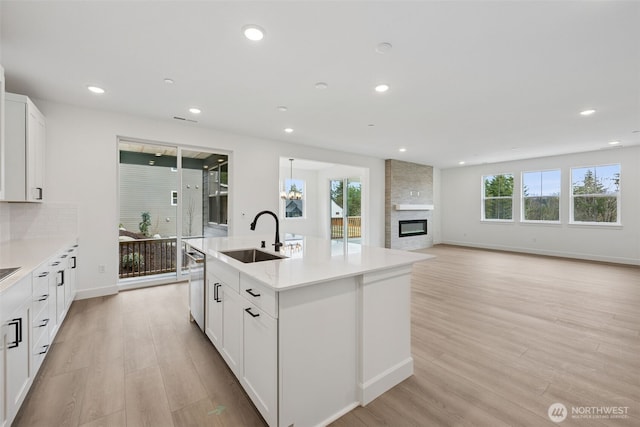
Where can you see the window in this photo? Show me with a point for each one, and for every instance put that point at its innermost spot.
(294, 198)
(595, 194)
(497, 200)
(541, 196)
(174, 198)
(219, 193)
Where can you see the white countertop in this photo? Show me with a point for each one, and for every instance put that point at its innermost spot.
(28, 254)
(309, 260)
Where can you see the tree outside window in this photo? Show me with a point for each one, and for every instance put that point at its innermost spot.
(498, 197)
(541, 195)
(595, 194)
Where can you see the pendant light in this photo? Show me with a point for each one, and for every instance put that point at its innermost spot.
(293, 193)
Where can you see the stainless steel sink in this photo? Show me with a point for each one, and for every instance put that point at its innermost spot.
(251, 255)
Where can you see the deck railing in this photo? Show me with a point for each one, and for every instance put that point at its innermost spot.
(145, 257)
(353, 227)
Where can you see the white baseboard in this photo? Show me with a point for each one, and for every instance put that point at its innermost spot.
(386, 380)
(546, 252)
(339, 414)
(96, 292)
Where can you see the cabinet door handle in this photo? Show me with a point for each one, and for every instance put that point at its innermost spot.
(45, 274)
(39, 189)
(216, 292)
(61, 276)
(44, 323)
(18, 324)
(46, 348)
(248, 310)
(250, 292)
(43, 297)
(75, 262)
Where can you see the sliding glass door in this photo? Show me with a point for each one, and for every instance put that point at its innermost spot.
(346, 211)
(166, 197)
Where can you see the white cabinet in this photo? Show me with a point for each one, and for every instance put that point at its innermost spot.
(259, 374)
(213, 311)
(232, 316)
(24, 150)
(2, 168)
(240, 323)
(40, 313)
(16, 305)
(70, 273)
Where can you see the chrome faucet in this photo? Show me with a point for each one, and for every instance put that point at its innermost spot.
(277, 244)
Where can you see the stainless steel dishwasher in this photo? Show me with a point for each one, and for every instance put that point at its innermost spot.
(196, 285)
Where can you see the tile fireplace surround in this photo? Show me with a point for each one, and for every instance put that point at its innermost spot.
(408, 197)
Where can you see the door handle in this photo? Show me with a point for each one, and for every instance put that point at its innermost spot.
(248, 310)
(250, 292)
(18, 324)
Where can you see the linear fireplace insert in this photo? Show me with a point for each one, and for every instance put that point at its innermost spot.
(413, 227)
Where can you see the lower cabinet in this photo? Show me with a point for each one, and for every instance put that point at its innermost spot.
(259, 374)
(245, 335)
(213, 313)
(32, 311)
(232, 317)
(16, 351)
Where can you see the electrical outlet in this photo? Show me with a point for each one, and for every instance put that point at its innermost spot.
(101, 269)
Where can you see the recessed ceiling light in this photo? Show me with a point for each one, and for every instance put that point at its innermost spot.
(152, 162)
(382, 88)
(402, 150)
(169, 81)
(194, 110)
(288, 130)
(587, 112)
(158, 154)
(614, 142)
(253, 32)
(383, 47)
(281, 108)
(220, 160)
(321, 85)
(462, 162)
(95, 89)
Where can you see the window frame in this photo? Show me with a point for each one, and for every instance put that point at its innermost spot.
(483, 214)
(618, 196)
(522, 199)
(303, 191)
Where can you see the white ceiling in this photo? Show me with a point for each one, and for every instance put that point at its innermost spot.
(472, 81)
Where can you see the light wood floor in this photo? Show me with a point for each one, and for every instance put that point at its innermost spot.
(497, 338)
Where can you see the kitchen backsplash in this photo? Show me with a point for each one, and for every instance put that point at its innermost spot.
(34, 220)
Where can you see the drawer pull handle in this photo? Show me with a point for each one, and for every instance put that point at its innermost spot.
(45, 274)
(44, 323)
(43, 297)
(46, 348)
(250, 292)
(248, 310)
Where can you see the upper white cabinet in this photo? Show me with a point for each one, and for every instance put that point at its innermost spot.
(1, 133)
(24, 150)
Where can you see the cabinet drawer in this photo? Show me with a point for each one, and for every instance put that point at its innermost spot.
(41, 281)
(40, 350)
(40, 325)
(39, 305)
(259, 295)
(228, 275)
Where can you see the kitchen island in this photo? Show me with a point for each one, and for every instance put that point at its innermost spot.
(313, 335)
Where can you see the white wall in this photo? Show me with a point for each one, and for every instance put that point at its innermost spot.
(82, 168)
(461, 201)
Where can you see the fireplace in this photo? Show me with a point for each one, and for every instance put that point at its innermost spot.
(414, 227)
